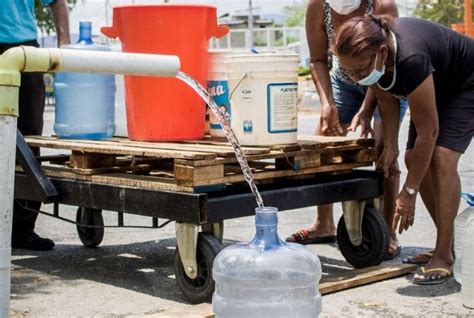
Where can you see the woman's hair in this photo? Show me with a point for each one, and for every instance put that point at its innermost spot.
(362, 34)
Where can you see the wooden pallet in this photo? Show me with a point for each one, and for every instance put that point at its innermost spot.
(192, 165)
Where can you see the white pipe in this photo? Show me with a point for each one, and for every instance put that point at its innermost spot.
(7, 167)
(82, 61)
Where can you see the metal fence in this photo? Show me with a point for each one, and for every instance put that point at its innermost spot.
(273, 38)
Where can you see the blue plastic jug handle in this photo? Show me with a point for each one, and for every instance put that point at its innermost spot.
(469, 198)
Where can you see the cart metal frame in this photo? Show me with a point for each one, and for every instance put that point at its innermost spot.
(204, 212)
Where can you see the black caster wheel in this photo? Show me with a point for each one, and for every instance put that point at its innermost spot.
(90, 237)
(201, 288)
(375, 240)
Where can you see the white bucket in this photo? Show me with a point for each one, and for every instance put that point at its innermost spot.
(120, 109)
(262, 89)
(218, 88)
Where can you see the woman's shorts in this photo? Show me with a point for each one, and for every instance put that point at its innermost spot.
(456, 121)
(349, 98)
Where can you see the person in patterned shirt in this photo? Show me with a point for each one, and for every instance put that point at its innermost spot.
(342, 102)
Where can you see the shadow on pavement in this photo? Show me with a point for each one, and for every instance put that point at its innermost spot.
(427, 291)
(145, 267)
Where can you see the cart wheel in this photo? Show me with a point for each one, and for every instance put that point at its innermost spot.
(375, 240)
(200, 289)
(90, 237)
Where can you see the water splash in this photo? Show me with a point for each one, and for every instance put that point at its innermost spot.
(201, 91)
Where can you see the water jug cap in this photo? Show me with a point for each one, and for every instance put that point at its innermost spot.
(469, 197)
(85, 32)
(85, 24)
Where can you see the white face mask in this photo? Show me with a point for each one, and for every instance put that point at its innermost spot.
(344, 7)
(374, 76)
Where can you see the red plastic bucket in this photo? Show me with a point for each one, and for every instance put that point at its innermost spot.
(160, 109)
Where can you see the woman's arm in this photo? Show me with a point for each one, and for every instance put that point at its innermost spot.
(59, 11)
(364, 115)
(318, 48)
(422, 103)
(389, 108)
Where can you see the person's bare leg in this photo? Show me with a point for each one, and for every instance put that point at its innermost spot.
(391, 191)
(323, 224)
(447, 186)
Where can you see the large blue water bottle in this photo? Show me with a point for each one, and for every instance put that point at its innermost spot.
(266, 277)
(85, 102)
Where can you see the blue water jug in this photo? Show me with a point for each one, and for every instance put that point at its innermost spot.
(266, 277)
(85, 102)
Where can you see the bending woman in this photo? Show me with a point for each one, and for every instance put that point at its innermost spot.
(433, 68)
(341, 101)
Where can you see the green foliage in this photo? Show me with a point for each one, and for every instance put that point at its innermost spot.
(43, 15)
(259, 42)
(441, 11)
(296, 13)
(289, 39)
(303, 71)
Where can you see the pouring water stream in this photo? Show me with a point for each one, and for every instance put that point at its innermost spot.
(201, 91)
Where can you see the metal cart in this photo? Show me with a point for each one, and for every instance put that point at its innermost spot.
(362, 233)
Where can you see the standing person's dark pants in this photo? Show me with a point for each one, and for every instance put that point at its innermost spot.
(30, 122)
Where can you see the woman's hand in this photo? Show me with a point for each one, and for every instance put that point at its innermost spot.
(404, 211)
(329, 121)
(362, 120)
(388, 163)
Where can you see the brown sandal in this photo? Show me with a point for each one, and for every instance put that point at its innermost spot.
(421, 279)
(302, 237)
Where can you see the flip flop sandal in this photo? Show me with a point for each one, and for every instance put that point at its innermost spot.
(302, 237)
(412, 259)
(434, 280)
(396, 253)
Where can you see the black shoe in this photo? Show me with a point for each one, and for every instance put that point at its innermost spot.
(32, 241)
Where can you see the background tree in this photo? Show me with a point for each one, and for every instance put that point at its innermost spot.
(295, 14)
(445, 12)
(43, 15)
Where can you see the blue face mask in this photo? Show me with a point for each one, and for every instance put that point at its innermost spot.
(374, 76)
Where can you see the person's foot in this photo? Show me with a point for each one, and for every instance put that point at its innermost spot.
(419, 259)
(394, 249)
(313, 235)
(32, 241)
(437, 271)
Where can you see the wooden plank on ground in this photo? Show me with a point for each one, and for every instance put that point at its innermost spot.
(115, 149)
(358, 277)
